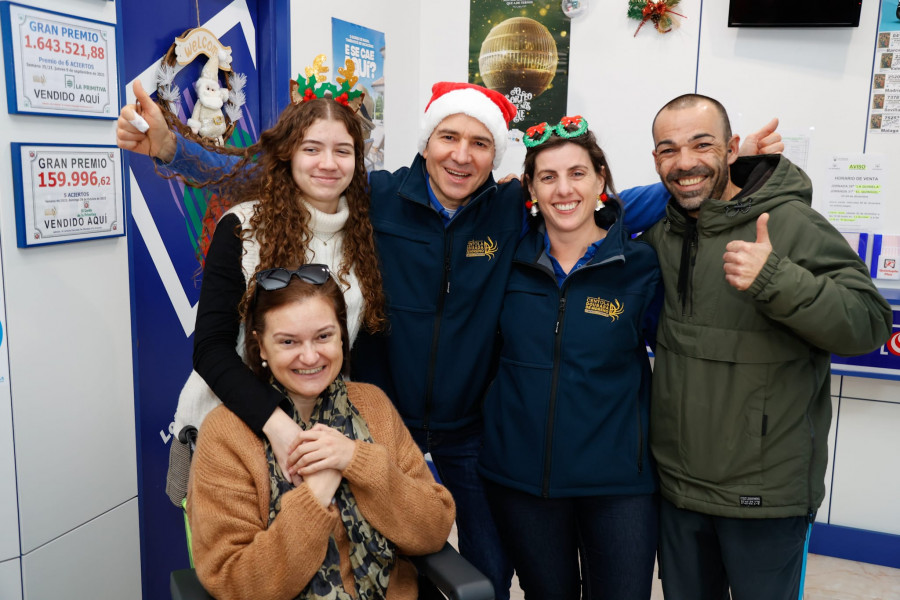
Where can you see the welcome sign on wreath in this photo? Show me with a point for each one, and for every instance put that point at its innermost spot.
(216, 108)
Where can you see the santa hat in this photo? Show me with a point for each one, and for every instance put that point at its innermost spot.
(490, 107)
(211, 68)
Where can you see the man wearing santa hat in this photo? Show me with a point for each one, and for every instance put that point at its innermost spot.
(446, 233)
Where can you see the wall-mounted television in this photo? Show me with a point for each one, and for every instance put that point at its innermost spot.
(794, 13)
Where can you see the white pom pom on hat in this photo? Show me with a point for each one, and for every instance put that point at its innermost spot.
(491, 108)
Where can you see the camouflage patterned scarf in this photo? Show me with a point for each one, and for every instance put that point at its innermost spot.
(372, 555)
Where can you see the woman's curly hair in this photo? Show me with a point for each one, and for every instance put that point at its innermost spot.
(280, 223)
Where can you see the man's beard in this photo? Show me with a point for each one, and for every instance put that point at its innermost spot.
(690, 201)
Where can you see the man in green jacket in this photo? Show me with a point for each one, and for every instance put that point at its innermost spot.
(759, 290)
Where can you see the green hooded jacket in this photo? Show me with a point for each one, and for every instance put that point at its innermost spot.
(741, 403)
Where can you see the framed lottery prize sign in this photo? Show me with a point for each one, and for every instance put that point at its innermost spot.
(67, 193)
(58, 64)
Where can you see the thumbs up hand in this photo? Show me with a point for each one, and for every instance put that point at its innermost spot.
(744, 260)
(153, 136)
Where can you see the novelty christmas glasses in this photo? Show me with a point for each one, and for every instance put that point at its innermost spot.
(568, 127)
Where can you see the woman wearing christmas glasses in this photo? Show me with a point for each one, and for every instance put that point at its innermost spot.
(363, 495)
(300, 195)
(567, 458)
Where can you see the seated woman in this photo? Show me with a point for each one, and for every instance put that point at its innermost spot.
(363, 495)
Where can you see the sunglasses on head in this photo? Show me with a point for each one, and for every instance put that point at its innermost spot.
(279, 277)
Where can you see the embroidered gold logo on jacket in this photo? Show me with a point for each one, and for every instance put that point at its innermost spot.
(477, 248)
(604, 308)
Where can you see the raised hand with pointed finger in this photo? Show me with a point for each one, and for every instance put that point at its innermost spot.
(765, 141)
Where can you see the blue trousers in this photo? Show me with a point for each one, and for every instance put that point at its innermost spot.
(702, 556)
(616, 536)
(455, 454)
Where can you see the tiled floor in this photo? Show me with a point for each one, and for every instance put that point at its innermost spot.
(832, 579)
(827, 578)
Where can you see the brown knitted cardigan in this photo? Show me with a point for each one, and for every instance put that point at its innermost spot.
(238, 556)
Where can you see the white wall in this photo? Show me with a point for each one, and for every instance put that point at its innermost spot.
(100, 559)
(11, 580)
(866, 482)
(68, 323)
(9, 502)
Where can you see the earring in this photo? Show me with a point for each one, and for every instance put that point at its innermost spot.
(601, 199)
(265, 364)
(533, 205)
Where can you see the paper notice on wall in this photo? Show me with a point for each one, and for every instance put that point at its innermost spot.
(855, 191)
(796, 147)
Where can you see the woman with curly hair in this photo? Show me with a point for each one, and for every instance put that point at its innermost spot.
(298, 196)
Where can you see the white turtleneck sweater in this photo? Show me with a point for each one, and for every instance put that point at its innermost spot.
(219, 335)
(326, 247)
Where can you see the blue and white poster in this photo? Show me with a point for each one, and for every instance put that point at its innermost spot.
(365, 47)
(171, 226)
